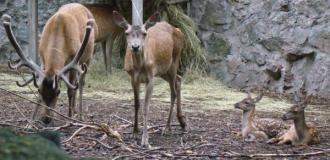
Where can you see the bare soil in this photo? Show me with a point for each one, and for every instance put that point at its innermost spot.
(211, 135)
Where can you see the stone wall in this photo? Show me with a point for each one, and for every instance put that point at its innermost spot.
(279, 44)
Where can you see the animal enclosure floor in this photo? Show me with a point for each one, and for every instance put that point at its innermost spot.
(212, 119)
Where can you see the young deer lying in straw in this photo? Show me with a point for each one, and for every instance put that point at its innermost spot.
(153, 49)
(257, 129)
(300, 133)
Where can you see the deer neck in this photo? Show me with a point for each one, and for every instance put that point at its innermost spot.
(53, 62)
(247, 118)
(300, 125)
(138, 60)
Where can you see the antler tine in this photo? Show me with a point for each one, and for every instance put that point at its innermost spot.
(23, 61)
(74, 64)
(25, 83)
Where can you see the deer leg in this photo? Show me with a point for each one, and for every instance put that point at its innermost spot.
(145, 136)
(179, 113)
(81, 87)
(172, 82)
(72, 93)
(36, 109)
(104, 51)
(109, 45)
(136, 89)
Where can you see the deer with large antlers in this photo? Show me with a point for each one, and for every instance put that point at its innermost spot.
(300, 133)
(261, 129)
(153, 49)
(66, 46)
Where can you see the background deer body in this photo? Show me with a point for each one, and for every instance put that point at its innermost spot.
(257, 129)
(66, 42)
(107, 29)
(300, 133)
(150, 53)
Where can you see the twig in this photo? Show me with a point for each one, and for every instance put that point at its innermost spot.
(25, 118)
(123, 119)
(103, 144)
(137, 152)
(230, 155)
(42, 105)
(75, 133)
(103, 127)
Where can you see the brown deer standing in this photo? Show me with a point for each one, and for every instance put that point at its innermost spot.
(257, 129)
(153, 49)
(107, 29)
(66, 46)
(300, 133)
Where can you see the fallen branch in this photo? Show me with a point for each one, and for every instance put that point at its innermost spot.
(103, 144)
(123, 119)
(231, 155)
(42, 105)
(25, 118)
(103, 127)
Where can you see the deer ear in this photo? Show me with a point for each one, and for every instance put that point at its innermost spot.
(120, 20)
(258, 98)
(249, 95)
(152, 20)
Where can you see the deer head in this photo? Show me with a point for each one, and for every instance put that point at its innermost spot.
(248, 103)
(297, 109)
(47, 84)
(135, 35)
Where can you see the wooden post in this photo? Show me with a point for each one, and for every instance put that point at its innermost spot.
(137, 12)
(33, 29)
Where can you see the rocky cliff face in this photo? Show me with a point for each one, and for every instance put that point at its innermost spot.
(280, 44)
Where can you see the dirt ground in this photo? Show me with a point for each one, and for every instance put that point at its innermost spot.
(211, 134)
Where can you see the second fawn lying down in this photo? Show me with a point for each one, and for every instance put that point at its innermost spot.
(300, 133)
(257, 129)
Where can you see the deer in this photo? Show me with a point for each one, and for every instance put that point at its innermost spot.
(107, 30)
(153, 49)
(66, 46)
(300, 133)
(257, 129)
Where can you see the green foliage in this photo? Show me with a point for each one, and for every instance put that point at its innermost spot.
(28, 147)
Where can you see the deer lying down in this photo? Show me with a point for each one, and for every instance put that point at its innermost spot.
(257, 129)
(153, 49)
(300, 133)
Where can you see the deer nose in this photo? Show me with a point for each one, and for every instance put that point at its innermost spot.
(135, 48)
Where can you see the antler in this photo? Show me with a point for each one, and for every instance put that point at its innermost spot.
(74, 64)
(23, 61)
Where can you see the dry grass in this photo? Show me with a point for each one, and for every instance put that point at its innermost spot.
(209, 92)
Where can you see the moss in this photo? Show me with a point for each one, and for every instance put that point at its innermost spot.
(28, 147)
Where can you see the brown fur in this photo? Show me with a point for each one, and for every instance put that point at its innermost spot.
(257, 129)
(300, 133)
(107, 29)
(66, 46)
(151, 52)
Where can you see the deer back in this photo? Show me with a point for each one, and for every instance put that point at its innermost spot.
(62, 37)
(104, 21)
